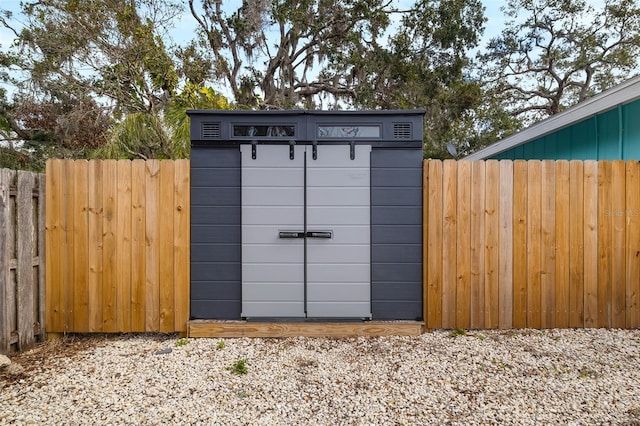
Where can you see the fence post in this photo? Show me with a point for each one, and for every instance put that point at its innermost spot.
(42, 312)
(5, 329)
(24, 274)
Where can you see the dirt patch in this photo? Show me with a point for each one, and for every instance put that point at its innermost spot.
(68, 346)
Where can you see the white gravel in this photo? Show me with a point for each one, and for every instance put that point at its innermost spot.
(482, 377)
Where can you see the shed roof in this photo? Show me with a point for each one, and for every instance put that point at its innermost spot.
(623, 93)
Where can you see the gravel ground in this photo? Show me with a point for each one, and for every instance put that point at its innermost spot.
(442, 377)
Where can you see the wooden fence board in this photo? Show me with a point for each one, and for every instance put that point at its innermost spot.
(138, 246)
(477, 263)
(632, 236)
(449, 236)
(434, 246)
(463, 243)
(109, 254)
(182, 244)
(520, 226)
(54, 236)
(562, 219)
(123, 262)
(152, 201)
(534, 242)
(5, 307)
(604, 228)
(506, 246)
(618, 242)
(166, 246)
(576, 244)
(491, 237)
(80, 207)
(94, 254)
(42, 258)
(548, 246)
(25, 231)
(590, 251)
(66, 246)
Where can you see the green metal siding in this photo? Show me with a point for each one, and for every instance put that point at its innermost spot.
(609, 135)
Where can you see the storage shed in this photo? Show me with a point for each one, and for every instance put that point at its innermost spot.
(304, 215)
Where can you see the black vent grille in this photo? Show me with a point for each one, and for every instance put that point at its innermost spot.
(402, 130)
(210, 130)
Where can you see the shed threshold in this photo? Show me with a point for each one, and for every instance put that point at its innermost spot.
(221, 328)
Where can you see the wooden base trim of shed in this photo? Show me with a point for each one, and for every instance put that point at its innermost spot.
(213, 328)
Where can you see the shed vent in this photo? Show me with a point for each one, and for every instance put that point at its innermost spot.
(402, 130)
(210, 130)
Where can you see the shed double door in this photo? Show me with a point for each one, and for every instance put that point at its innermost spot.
(306, 231)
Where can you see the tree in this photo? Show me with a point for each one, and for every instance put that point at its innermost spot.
(144, 135)
(271, 53)
(78, 67)
(425, 65)
(285, 54)
(555, 53)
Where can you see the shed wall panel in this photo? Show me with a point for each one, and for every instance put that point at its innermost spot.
(215, 233)
(396, 234)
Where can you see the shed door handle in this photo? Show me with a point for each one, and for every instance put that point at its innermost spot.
(319, 234)
(291, 234)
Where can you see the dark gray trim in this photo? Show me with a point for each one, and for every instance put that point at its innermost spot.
(216, 248)
(396, 234)
(305, 125)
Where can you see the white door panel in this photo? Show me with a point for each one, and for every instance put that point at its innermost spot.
(337, 215)
(337, 253)
(273, 253)
(282, 216)
(272, 200)
(260, 196)
(333, 177)
(285, 177)
(338, 195)
(332, 196)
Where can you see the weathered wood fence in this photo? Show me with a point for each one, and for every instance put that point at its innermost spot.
(22, 280)
(536, 244)
(118, 246)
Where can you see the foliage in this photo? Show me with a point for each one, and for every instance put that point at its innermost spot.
(182, 342)
(108, 48)
(555, 53)
(239, 367)
(274, 54)
(346, 61)
(139, 135)
(191, 97)
(76, 69)
(458, 332)
(100, 78)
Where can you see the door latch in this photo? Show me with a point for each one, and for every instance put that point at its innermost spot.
(291, 234)
(319, 234)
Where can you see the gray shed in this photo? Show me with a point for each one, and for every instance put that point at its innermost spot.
(303, 215)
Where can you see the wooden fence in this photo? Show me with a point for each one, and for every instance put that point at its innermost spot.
(118, 246)
(536, 244)
(22, 280)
